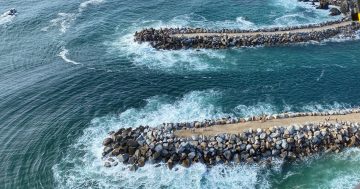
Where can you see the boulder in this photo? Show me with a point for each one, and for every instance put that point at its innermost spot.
(132, 143)
(107, 141)
(219, 139)
(170, 164)
(133, 167)
(158, 148)
(334, 12)
(284, 144)
(227, 154)
(141, 162)
(107, 150)
(236, 158)
(186, 163)
(107, 164)
(191, 155)
(156, 155)
(123, 157)
(323, 5)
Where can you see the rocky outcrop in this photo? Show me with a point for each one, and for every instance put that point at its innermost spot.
(175, 38)
(144, 144)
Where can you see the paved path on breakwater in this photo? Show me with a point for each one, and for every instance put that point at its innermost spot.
(239, 127)
(303, 30)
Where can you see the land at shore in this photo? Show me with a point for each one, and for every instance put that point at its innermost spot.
(237, 128)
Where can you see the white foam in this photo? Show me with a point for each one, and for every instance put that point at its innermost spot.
(255, 110)
(317, 107)
(63, 54)
(6, 18)
(343, 38)
(299, 13)
(144, 55)
(85, 4)
(64, 20)
(336, 171)
(244, 22)
(321, 75)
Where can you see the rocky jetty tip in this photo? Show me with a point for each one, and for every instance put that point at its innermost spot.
(162, 144)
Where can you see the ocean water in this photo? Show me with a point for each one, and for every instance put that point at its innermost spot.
(70, 73)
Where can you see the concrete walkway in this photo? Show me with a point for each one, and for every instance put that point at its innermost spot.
(240, 127)
(304, 30)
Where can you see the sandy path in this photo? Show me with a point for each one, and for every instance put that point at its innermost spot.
(266, 33)
(239, 127)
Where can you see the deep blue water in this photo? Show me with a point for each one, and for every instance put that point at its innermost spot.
(70, 72)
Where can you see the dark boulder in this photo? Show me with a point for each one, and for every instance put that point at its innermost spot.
(186, 163)
(107, 141)
(334, 12)
(107, 164)
(132, 143)
(323, 5)
(141, 162)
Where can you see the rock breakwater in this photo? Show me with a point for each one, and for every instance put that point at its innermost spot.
(184, 38)
(136, 146)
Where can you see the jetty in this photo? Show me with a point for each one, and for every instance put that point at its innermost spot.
(197, 38)
(288, 136)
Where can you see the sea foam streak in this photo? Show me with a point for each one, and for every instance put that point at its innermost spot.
(63, 55)
(64, 20)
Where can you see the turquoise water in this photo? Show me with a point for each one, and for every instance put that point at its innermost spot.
(70, 72)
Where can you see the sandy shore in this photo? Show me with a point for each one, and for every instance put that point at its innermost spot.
(239, 127)
(306, 30)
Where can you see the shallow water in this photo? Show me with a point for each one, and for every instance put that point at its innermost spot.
(70, 73)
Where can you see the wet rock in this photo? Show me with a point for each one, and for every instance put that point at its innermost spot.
(170, 164)
(123, 157)
(219, 139)
(191, 155)
(107, 150)
(141, 162)
(107, 141)
(133, 167)
(227, 154)
(334, 12)
(107, 164)
(236, 158)
(262, 136)
(158, 148)
(186, 163)
(132, 143)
